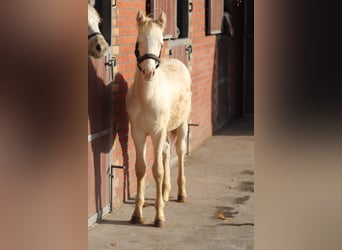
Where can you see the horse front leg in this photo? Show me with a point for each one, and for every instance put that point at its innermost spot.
(180, 149)
(140, 171)
(158, 174)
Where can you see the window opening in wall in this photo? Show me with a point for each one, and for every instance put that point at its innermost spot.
(148, 9)
(182, 18)
(104, 8)
(177, 14)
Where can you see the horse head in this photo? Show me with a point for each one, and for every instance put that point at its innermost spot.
(149, 43)
(97, 45)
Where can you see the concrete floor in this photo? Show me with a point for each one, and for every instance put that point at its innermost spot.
(218, 213)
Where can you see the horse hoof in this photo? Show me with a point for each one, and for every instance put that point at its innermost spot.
(137, 220)
(159, 223)
(181, 198)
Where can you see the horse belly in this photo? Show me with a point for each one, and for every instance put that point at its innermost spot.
(179, 83)
(180, 112)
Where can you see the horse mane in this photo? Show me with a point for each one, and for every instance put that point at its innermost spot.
(147, 24)
(93, 12)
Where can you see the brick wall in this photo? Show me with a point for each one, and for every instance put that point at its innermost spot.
(202, 75)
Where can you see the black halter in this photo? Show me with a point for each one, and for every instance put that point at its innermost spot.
(146, 56)
(94, 34)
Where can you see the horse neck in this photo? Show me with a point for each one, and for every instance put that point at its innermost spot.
(146, 89)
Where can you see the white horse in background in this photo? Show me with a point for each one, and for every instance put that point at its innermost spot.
(97, 45)
(159, 102)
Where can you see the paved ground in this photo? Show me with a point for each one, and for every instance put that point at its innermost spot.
(218, 213)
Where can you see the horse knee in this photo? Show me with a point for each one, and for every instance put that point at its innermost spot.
(180, 146)
(140, 173)
(158, 175)
(166, 148)
(166, 151)
(158, 171)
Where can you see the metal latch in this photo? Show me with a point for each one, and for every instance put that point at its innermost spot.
(188, 137)
(111, 63)
(189, 50)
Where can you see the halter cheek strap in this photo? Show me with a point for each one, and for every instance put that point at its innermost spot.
(146, 56)
(93, 34)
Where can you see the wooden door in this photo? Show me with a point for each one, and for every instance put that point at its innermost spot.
(221, 81)
(99, 138)
(170, 8)
(248, 64)
(181, 52)
(214, 16)
(100, 76)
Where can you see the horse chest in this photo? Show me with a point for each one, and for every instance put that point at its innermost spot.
(148, 117)
(151, 121)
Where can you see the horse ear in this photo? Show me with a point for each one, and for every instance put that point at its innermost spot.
(161, 21)
(91, 2)
(140, 17)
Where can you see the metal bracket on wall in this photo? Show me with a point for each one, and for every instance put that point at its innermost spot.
(117, 166)
(111, 176)
(188, 136)
(191, 7)
(99, 134)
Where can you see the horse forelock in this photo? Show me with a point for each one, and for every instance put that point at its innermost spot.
(148, 24)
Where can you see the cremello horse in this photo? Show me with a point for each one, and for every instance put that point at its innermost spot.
(159, 102)
(97, 45)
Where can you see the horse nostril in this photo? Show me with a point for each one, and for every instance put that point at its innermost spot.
(98, 47)
(143, 71)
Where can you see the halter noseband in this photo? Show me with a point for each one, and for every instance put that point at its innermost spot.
(93, 34)
(146, 56)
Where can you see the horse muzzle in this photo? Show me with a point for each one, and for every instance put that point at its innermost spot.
(148, 71)
(97, 46)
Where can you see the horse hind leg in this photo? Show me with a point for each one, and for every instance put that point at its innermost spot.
(166, 163)
(180, 149)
